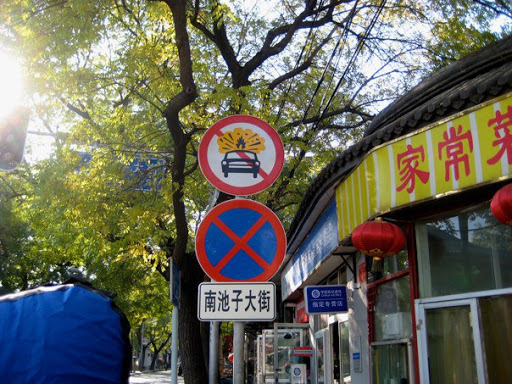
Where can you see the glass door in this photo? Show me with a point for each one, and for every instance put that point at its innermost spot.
(391, 362)
(260, 361)
(462, 341)
(450, 333)
(323, 357)
(344, 352)
(286, 344)
(450, 348)
(496, 318)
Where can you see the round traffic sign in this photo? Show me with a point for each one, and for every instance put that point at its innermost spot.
(240, 240)
(241, 155)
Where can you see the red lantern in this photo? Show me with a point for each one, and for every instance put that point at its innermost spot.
(378, 239)
(501, 205)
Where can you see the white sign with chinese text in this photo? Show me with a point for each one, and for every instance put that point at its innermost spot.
(298, 374)
(236, 302)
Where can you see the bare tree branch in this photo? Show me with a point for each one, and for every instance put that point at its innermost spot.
(498, 6)
(346, 109)
(80, 112)
(276, 40)
(302, 67)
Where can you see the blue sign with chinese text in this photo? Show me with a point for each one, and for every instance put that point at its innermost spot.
(144, 173)
(322, 240)
(326, 299)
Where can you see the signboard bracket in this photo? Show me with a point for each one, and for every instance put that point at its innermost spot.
(349, 258)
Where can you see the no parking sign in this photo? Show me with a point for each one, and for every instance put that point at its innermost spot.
(241, 155)
(240, 240)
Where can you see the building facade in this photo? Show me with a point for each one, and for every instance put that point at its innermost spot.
(440, 310)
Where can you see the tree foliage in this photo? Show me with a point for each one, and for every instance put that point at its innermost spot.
(125, 81)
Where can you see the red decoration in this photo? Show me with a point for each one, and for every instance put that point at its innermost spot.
(378, 239)
(362, 273)
(501, 205)
(300, 310)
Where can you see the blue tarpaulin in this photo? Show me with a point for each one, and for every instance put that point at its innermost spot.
(64, 334)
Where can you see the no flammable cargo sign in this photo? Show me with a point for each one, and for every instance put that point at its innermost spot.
(241, 155)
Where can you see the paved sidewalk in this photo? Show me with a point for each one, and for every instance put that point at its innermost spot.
(160, 377)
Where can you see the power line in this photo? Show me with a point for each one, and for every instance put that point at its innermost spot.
(351, 61)
(342, 37)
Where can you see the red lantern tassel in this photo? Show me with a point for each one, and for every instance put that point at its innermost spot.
(377, 264)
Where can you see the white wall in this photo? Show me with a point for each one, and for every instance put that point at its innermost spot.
(358, 328)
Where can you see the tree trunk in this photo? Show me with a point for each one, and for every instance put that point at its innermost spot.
(153, 361)
(191, 342)
(157, 350)
(194, 368)
(142, 358)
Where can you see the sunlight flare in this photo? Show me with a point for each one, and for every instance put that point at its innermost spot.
(11, 83)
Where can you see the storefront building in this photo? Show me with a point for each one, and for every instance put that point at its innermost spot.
(439, 310)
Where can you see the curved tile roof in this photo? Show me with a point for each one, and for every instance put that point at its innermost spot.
(470, 81)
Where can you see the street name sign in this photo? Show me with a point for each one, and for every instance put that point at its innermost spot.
(241, 155)
(236, 302)
(326, 299)
(240, 240)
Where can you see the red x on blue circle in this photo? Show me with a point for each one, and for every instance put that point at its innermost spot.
(240, 240)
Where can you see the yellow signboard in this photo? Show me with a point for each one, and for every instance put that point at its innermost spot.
(469, 149)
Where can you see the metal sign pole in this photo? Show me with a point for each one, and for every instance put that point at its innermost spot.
(142, 352)
(239, 221)
(174, 347)
(174, 281)
(213, 367)
(238, 351)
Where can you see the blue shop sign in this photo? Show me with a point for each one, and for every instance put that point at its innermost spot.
(326, 299)
(147, 173)
(320, 242)
(143, 173)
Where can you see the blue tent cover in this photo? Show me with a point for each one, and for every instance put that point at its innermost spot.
(63, 334)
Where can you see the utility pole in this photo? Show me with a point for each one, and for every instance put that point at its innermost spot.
(213, 366)
(238, 351)
(175, 295)
(142, 352)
